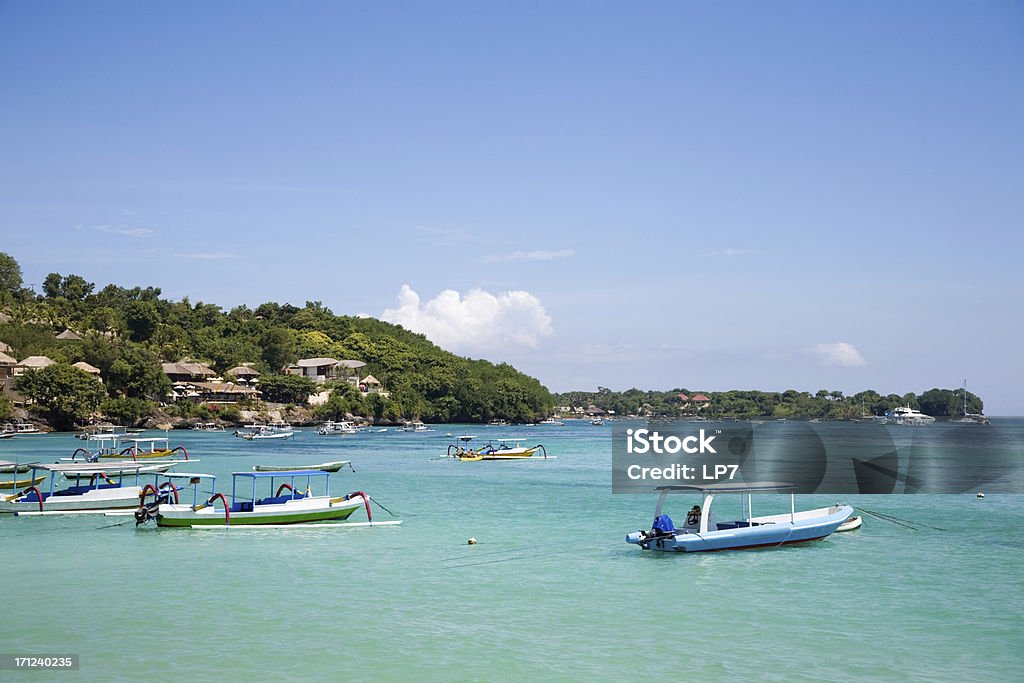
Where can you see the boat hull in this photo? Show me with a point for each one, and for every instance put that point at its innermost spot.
(21, 483)
(763, 535)
(93, 499)
(305, 510)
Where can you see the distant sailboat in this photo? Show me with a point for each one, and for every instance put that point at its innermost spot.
(971, 418)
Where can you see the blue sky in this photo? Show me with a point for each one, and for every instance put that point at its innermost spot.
(709, 195)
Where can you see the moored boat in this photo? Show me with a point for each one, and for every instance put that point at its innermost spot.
(334, 466)
(503, 451)
(93, 489)
(153, 447)
(287, 503)
(905, 415)
(703, 532)
(330, 427)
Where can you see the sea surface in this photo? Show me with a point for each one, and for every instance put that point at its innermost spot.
(550, 592)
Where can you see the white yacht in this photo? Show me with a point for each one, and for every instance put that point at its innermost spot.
(905, 415)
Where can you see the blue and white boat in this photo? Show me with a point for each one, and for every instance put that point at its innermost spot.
(701, 531)
(94, 488)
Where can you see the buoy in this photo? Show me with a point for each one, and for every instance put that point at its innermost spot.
(471, 541)
(980, 494)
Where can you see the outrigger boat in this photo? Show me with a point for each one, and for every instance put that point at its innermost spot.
(94, 489)
(15, 469)
(108, 446)
(288, 504)
(702, 532)
(414, 426)
(462, 452)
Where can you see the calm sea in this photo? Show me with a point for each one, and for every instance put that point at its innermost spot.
(550, 592)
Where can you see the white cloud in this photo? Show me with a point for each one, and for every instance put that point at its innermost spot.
(477, 323)
(839, 353)
(733, 252)
(210, 255)
(126, 231)
(536, 255)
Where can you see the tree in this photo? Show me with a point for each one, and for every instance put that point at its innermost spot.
(65, 393)
(286, 388)
(10, 278)
(278, 346)
(51, 285)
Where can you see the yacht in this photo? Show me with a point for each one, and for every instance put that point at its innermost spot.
(905, 415)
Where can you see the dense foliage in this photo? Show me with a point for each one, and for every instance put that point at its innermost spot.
(63, 393)
(823, 404)
(127, 332)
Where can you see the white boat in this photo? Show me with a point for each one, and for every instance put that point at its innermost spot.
(331, 427)
(703, 532)
(597, 423)
(496, 422)
(21, 428)
(260, 432)
(850, 524)
(971, 418)
(96, 430)
(93, 489)
(334, 466)
(905, 415)
(415, 426)
(552, 422)
(207, 427)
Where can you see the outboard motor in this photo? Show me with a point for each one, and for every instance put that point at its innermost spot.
(150, 511)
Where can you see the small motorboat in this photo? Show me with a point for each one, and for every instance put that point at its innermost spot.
(703, 532)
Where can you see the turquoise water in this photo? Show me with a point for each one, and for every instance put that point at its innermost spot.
(550, 592)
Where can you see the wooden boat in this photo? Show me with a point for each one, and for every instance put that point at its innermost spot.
(153, 447)
(463, 453)
(287, 503)
(92, 489)
(14, 468)
(323, 467)
(702, 532)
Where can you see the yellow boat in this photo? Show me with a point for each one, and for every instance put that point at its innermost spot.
(21, 483)
(154, 447)
(463, 453)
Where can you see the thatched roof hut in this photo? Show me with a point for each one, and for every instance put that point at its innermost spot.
(69, 335)
(369, 380)
(243, 371)
(7, 360)
(35, 363)
(82, 365)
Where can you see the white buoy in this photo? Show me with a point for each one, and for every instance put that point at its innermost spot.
(471, 541)
(980, 494)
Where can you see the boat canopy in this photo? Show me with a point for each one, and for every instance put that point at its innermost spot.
(91, 467)
(730, 487)
(187, 475)
(282, 473)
